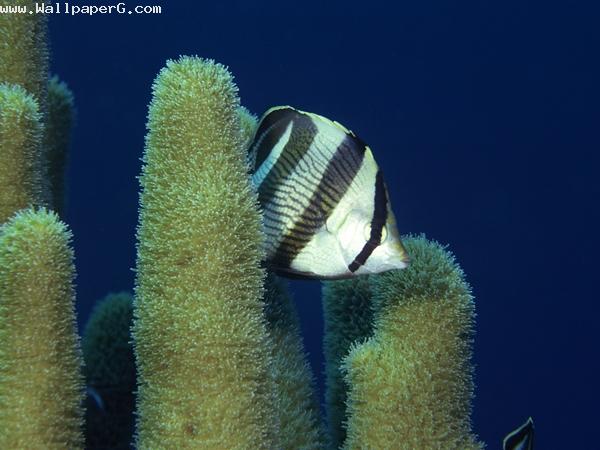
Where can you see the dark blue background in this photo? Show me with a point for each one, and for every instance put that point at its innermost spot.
(484, 117)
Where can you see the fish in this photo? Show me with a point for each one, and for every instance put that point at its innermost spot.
(326, 210)
(521, 438)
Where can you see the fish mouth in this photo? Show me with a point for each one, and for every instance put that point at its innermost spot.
(404, 258)
(403, 263)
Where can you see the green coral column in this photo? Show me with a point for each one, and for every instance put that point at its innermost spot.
(47, 115)
(20, 141)
(411, 384)
(24, 50)
(200, 334)
(248, 124)
(41, 387)
(348, 316)
(57, 137)
(296, 403)
(110, 374)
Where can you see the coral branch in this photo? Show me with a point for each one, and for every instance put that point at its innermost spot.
(57, 135)
(296, 405)
(24, 50)
(201, 342)
(41, 387)
(348, 316)
(411, 383)
(110, 374)
(20, 138)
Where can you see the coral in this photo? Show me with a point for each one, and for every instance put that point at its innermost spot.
(24, 50)
(41, 387)
(296, 405)
(24, 56)
(110, 373)
(57, 134)
(411, 382)
(219, 359)
(20, 136)
(248, 124)
(201, 343)
(348, 316)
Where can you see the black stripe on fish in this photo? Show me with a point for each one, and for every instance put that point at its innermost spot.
(286, 192)
(377, 224)
(348, 159)
(521, 438)
(301, 138)
(265, 137)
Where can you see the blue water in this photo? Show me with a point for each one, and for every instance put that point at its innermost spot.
(484, 117)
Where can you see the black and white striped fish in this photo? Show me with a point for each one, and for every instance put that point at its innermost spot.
(326, 209)
(521, 438)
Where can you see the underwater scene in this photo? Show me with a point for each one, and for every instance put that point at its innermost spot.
(241, 225)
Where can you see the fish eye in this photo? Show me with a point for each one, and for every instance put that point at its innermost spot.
(384, 234)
